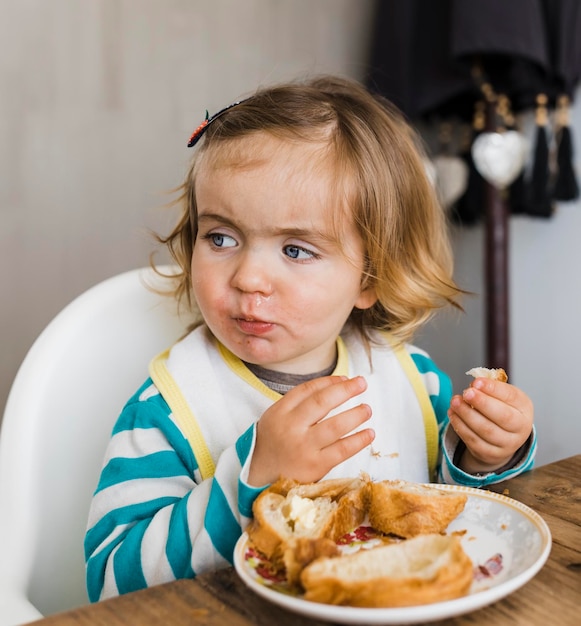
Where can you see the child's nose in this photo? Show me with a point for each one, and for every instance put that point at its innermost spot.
(253, 274)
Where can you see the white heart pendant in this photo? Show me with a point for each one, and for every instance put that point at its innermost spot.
(500, 157)
(451, 178)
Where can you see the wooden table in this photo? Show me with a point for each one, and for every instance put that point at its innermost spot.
(553, 596)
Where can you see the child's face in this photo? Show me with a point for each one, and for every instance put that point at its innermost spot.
(271, 281)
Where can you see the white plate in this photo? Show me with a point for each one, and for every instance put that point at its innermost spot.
(494, 525)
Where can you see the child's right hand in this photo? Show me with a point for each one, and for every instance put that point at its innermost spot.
(294, 440)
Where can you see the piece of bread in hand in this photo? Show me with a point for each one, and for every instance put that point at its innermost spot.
(408, 509)
(427, 568)
(288, 510)
(486, 372)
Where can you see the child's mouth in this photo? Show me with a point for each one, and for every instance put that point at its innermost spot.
(253, 326)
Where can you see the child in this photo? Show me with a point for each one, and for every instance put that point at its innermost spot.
(313, 245)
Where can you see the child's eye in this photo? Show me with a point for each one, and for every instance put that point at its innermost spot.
(301, 254)
(221, 241)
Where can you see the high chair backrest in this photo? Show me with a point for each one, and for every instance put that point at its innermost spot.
(61, 408)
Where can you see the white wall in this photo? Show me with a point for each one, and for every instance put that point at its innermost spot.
(545, 314)
(97, 100)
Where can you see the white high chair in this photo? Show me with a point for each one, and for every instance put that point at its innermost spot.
(62, 406)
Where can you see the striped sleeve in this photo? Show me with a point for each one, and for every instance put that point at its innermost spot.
(152, 519)
(439, 386)
(450, 473)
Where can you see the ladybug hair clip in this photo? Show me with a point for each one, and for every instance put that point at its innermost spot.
(197, 134)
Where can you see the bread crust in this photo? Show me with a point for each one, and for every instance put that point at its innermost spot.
(408, 509)
(487, 372)
(351, 512)
(344, 580)
(300, 551)
(334, 488)
(264, 535)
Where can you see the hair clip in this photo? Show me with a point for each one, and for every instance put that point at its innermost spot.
(197, 134)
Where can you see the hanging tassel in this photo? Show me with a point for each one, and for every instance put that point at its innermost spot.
(540, 204)
(517, 192)
(566, 186)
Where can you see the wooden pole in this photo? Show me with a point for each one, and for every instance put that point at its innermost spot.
(496, 267)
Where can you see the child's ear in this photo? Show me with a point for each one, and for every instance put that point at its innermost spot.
(367, 298)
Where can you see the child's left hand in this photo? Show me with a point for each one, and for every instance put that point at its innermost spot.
(494, 420)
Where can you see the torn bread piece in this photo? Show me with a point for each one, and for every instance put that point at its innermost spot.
(428, 568)
(408, 509)
(288, 511)
(486, 372)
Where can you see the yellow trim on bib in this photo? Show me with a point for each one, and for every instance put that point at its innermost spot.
(182, 413)
(428, 413)
(238, 367)
(342, 367)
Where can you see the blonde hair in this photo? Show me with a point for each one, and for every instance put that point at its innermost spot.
(381, 169)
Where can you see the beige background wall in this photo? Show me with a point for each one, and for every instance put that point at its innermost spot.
(97, 101)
